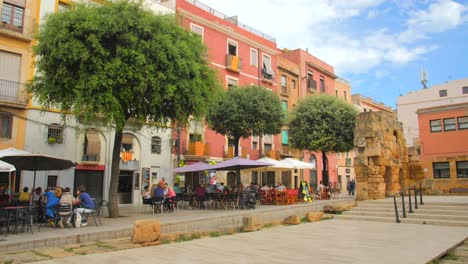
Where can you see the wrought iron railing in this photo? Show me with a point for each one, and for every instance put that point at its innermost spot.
(13, 92)
(414, 188)
(231, 19)
(26, 26)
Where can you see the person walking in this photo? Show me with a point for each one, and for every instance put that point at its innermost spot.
(348, 188)
(352, 187)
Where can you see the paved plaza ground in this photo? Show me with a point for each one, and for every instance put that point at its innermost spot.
(331, 241)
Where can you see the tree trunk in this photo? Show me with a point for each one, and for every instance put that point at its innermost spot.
(325, 168)
(236, 154)
(114, 181)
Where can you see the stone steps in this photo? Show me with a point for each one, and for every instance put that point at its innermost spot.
(431, 213)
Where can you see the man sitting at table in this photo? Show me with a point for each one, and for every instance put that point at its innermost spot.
(158, 193)
(24, 195)
(85, 206)
(67, 198)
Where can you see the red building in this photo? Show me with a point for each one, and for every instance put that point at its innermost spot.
(242, 56)
(316, 77)
(443, 133)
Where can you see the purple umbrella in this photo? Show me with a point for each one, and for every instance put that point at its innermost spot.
(238, 164)
(199, 166)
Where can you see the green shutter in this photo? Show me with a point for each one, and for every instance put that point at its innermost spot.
(285, 137)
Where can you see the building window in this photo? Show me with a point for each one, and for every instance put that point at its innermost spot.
(232, 47)
(6, 125)
(51, 182)
(156, 145)
(253, 57)
(463, 122)
(197, 30)
(254, 145)
(284, 106)
(436, 125)
(465, 90)
(63, 7)
(92, 146)
(293, 84)
(345, 95)
(255, 176)
(449, 124)
(284, 137)
(311, 83)
(267, 147)
(462, 169)
(322, 85)
(231, 82)
(267, 70)
(284, 89)
(55, 134)
(12, 17)
(441, 170)
(442, 93)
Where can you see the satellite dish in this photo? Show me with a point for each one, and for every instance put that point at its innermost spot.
(424, 78)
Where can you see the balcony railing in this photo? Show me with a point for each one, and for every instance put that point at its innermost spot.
(233, 63)
(13, 92)
(90, 158)
(27, 26)
(231, 19)
(196, 148)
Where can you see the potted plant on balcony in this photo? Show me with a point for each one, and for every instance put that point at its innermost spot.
(51, 140)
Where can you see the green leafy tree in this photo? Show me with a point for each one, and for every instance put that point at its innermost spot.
(118, 62)
(246, 111)
(324, 124)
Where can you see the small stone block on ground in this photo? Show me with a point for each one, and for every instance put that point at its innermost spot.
(252, 223)
(314, 216)
(292, 220)
(340, 207)
(146, 231)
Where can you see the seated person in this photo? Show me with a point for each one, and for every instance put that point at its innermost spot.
(85, 206)
(177, 189)
(67, 198)
(37, 195)
(199, 194)
(146, 193)
(53, 199)
(158, 193)
(24, 195)
(169, 197)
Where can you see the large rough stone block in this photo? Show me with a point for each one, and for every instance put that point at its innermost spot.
(340, 207)
(314, 216)
(252, 223)
(292, 220)
(146, 231)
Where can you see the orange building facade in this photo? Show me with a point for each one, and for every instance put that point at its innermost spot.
(443, 133)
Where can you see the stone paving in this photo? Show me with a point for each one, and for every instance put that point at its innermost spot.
(332, 241)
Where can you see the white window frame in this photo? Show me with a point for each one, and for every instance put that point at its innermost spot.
(233, 43)
(233, 79)
(192, 25)
(263, 60)
(254, 63)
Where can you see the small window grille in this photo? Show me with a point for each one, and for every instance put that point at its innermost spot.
(55, 134)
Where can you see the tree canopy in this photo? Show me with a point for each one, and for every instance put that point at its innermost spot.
(322, 123)
(118, 62)
(121, 61)
(245, 111)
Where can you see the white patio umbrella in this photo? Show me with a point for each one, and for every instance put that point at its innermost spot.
(24, 160)
(297, 164)
(7, 167)
(276, 165)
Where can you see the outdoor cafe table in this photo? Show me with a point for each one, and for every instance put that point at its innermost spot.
(13, 210)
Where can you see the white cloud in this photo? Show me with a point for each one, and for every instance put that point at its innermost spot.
(441, 16)
(321, 26)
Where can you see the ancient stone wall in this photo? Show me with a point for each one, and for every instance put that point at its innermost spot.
(381, 162)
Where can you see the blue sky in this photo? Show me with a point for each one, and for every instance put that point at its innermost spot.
(379, 46)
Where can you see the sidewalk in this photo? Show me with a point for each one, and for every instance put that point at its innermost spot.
(185, 220)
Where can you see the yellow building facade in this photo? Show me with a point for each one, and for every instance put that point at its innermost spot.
(17, 28)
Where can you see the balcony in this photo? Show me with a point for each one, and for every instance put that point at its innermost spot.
(11, 25)
(196, 148)
(13, 93)
(273, 154)
(233, 63)
(90, 159)
(230, 152)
